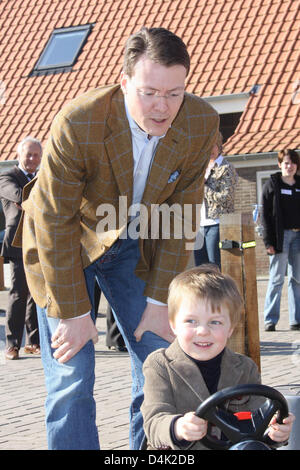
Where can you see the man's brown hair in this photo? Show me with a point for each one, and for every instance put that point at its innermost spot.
(159, 44)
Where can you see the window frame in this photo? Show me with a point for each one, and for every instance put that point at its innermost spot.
(41, 69)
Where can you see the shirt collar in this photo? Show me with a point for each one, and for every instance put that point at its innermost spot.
(24, 171)
(219, 160)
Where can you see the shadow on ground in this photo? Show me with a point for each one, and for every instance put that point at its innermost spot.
(269, 348)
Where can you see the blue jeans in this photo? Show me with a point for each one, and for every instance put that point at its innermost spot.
(290, 257)
(70, 406)
(210, 251)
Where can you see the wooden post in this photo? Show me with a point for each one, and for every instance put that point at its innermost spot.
(240, 264)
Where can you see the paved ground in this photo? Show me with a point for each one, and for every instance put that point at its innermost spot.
(22, 390)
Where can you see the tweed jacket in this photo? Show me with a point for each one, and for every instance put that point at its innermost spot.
(219, 190)
(174, 386)
(12, 183)
(87, 164)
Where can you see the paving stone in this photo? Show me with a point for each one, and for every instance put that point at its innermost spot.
(22, 389)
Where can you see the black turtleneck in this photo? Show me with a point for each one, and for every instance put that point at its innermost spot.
(211, 371)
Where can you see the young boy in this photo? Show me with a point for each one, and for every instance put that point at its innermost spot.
(204, 307)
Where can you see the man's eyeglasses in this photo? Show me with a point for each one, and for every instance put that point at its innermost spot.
(150, 95)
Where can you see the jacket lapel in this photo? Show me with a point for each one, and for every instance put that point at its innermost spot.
(188, 372)
(231, 370)
(118, 144)
(20, 176)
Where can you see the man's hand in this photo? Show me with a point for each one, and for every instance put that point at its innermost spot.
(71, 335)
(155, 319)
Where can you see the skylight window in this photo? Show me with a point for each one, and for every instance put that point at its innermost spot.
(62, 49)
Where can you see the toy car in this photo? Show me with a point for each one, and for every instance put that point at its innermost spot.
(243, 430)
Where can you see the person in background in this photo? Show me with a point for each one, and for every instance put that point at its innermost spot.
(21, 308)
(281, 235)
(219, 190)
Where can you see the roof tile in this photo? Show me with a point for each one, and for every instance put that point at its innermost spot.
(234, 44)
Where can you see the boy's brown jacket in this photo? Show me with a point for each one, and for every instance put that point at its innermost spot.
(174, 386)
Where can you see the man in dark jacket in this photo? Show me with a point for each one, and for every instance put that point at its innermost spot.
(21, 309)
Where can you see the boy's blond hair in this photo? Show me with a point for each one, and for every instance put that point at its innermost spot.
(206, 282)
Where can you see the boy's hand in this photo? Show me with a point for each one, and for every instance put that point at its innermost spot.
(281, 432)
(190, 427)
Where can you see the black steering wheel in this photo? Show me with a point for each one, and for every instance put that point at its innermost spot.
(229, 424)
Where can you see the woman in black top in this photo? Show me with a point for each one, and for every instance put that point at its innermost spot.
(281, 221)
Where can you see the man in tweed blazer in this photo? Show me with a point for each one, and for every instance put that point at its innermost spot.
(145, 142)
